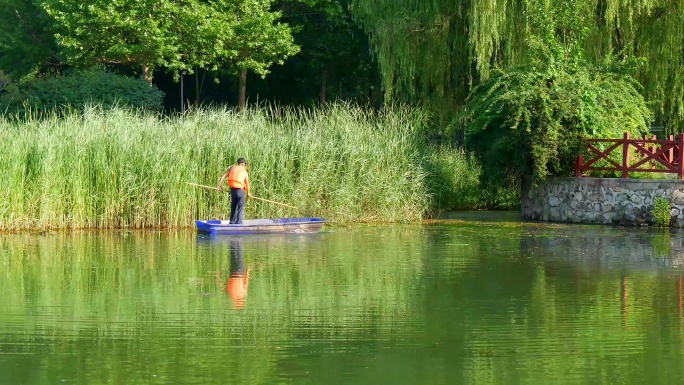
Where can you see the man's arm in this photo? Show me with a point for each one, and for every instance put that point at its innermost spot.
(248, 189)
(223, 177)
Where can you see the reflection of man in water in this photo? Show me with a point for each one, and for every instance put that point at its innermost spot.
(238, 281)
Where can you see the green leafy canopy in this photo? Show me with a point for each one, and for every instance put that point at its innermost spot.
(79, 89)
(171, 34)
(531, 120)
(436, 52)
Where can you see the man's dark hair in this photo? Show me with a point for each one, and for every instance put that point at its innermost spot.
(241, 161)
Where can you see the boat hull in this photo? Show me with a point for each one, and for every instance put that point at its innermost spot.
(262, 226)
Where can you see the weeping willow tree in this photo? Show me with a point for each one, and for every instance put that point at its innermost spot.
(435, 52)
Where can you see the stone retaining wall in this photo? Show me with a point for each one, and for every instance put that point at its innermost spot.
(602, 200)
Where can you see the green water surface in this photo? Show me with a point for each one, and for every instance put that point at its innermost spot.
(467, 300)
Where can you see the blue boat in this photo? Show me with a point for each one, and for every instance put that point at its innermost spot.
(262, 226)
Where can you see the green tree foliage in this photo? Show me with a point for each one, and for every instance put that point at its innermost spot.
(175, 35)
(76, 90)
(218, 38)
(171, 34)
(334, 63)
(149, 34)
(531, 121)
(4, 81)
(335, 59)
(438, 51)
(27, 43)
(259, 40)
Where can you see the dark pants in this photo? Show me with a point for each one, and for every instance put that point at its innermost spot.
(237, 259)
(237, 205)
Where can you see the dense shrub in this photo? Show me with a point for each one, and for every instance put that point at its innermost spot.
(661, 212)
(78, 89)
(455, 183)
(531, 120)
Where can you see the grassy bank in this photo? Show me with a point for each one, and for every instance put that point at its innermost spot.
(96, 169)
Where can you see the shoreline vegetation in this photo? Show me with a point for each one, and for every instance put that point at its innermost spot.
(118, 168)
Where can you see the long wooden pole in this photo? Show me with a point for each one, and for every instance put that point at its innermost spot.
(201, 185)
(253, 197)
(274, 202)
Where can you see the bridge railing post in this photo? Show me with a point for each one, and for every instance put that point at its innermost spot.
(625, 155)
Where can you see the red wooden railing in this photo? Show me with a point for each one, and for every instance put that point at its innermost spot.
(649, 155)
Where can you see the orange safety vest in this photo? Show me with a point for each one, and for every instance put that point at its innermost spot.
(237, 178)
(237, 289)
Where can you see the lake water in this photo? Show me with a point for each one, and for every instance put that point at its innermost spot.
(475, 299)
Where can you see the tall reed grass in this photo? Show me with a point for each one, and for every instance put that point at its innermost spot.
(117, 168)
(455, 183)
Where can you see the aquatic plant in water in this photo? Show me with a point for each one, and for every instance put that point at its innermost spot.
(661, 212)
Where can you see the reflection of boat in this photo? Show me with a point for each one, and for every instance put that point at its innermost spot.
(267, 240)
(262, 226)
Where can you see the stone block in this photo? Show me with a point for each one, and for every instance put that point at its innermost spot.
(567, 213)
(603, 218)
(554, 201)
(621, 197)
(677, 197)
(636, 198)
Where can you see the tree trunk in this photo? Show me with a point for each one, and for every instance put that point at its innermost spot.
(197, 89)
(322, 95)
(147, 74)
(243, 90)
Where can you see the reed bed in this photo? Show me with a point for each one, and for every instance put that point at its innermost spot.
(97, 168)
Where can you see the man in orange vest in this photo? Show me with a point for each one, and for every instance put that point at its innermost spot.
(238, 281)
(238, 181)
